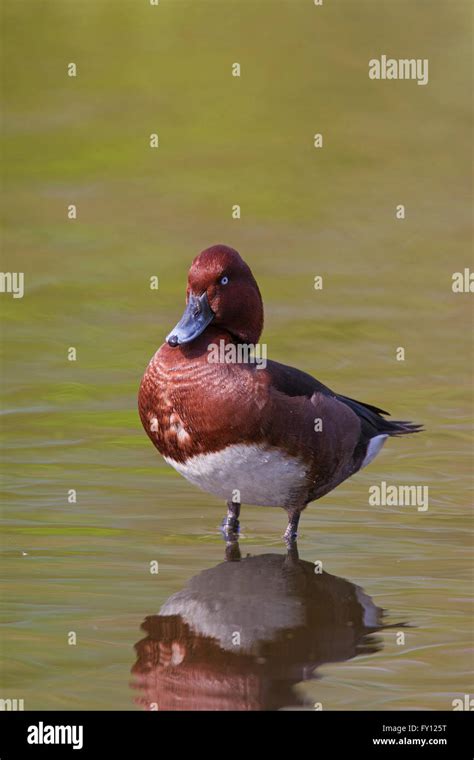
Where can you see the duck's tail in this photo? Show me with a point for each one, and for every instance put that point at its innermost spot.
(373, 423)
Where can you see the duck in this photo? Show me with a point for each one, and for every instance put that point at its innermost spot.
(249, 432)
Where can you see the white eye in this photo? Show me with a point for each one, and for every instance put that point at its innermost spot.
(224, 280)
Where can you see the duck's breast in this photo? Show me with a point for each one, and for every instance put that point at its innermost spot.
(250, 473)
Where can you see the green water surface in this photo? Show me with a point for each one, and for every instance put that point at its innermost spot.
(84, 567)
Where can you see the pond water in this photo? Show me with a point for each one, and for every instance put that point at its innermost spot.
(89, 505)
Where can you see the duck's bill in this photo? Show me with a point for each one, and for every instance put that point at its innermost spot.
(197, 315)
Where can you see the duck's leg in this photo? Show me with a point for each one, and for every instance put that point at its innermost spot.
(291, 531)
(232, 548)
(230, 524)
(292, 558)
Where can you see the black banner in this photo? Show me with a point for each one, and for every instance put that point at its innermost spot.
(89, 734)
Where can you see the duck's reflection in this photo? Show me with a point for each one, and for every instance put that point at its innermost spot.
(240, 635)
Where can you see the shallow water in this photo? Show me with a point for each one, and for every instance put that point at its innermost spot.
(84, 567)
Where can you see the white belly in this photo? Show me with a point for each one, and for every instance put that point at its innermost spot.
(248, 474)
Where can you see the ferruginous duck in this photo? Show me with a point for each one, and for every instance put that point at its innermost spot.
(246, 430)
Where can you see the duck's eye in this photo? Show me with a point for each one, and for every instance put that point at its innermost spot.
(224, 280)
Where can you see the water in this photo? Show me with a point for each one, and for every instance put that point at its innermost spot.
(84, 566)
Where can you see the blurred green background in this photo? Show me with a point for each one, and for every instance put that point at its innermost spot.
(84, 567)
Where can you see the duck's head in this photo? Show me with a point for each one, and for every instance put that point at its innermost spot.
(222, 291)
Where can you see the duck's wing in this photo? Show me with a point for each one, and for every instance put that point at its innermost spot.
(293, 382)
